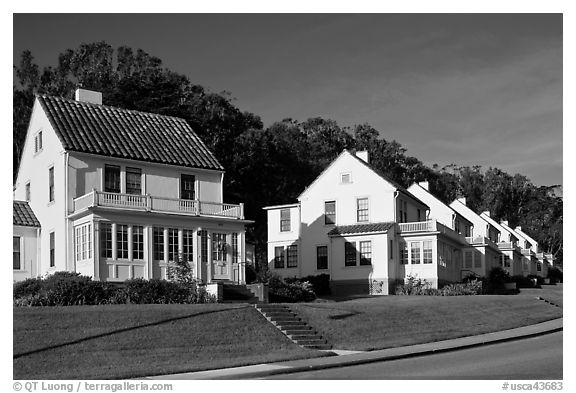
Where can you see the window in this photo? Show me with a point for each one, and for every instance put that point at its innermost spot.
(187, 246)
(121, 241)
(345, 178)
(415, 253)
(419, 215)
(285, 220)
(330, 212)
(403, 211)
(235, 248)
(292, 257)
(278, 257)
(457, 227)
(158, 243)
(187, 187)
(391, 252)
(28, 196)
(172, 244)
(538, 267)
(133, 181)
(321, 257)
(362, 209)
(504, 261)
(350, 254)
(366, 253)
(16, 253)
(106, 240)
(403, 253)
(468, 259)
(477, 258)
(203, 246)
(137, 242)
(427, 251)
(51, 184)
(468, 231)
(38, 142)
(83, 240)
(112, 178)
(52, 249)
(219, 246)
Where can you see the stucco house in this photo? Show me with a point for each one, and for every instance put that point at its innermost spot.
(26, 232)
(511, 258)
(363, 229)
(119, 193)
(539, 262)
(483, 253)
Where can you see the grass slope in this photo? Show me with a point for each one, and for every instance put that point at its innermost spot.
(123, 341)
(393, 321)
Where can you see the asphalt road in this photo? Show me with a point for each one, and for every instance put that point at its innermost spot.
(536, 358)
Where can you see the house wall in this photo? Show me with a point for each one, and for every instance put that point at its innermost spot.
(34, 169)
(87, 173)
(29, 243)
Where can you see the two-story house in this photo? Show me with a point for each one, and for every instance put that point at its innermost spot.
(483, 253)
(543, 261)
(121, 193)
(511, 258)
(361, 228)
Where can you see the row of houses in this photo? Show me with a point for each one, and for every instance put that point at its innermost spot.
(117, 194)
(369, 233)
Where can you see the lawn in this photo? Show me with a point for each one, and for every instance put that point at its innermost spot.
(391, 321)
(123, 341)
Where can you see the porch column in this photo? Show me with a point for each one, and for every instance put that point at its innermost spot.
(196, 254)
(114, 250)
(130, 245)
(242, 256)
(166, 246)
(180, 242)
(148, 269)
(209, 258)
(96, 249)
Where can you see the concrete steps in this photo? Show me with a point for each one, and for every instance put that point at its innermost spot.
(297, 330)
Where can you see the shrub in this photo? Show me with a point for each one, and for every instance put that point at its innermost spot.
(414, 286)
(555, 275)
(71, 289)
(28, 287)
(320, 283)
(180, 271)
(156, 291)
(473, 287)
(496, 280)
(251, 274)
(289, 291)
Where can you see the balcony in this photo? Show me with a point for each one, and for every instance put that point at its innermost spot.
(420, 227)
(481, 240)
(148, 203)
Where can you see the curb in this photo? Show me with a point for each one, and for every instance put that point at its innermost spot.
(322, 363)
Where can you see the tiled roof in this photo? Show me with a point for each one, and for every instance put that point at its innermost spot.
(361, 228)
(122, 133)
(23, 215)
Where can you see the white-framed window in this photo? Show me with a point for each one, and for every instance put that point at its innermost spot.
(38, 142)
(105, 240)
(403, 211)
(345, 178)
(235, 248)
(362, 212)
(292, 256)
(121, 241)
(218, 246)
(137, 242)
(321, 257)
(112, 178)
(427, 250)
(52, 249)
(28, 192)
(285, 220)
(403, 252)
(172, 244)
(504, 261)
(350, 254)
(366, 252)
(415, 249)
(330, 212)
(278, 257)
(133, 181)
(17, 253)
(158, 243)
(187, 245)
(83, 240)
(51, 184)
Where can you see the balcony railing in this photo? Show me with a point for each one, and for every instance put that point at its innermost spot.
(157, 204)
(480, 240)
(430, 226)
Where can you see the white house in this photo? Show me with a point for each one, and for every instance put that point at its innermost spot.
(362, 229)
(483, 253)
(120, 193)
(531, 254)
(511, 258)
(26, 232)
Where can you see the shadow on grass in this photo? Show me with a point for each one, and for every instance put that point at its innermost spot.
(81, 340)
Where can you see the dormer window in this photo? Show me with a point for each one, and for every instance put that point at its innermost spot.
(345, 178)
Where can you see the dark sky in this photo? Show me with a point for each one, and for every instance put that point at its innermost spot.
(473, 89)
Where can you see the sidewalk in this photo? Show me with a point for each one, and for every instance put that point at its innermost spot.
(355, 358)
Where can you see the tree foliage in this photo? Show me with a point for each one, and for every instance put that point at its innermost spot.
(273, 165)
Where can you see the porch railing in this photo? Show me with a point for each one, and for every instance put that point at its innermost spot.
(157, 204)
(430, 226)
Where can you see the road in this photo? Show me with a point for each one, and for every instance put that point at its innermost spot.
(535, 358)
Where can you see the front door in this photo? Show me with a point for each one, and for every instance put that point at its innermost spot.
(220, 263)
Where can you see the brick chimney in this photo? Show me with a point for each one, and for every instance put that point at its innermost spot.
(425, 185)
(93, 97)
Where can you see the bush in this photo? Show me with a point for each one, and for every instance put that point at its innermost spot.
(156, 291)
(473, 287)
(555, 275)
(496, 280)
(28, 287)
(320, 283)
(251, 274)
(281, 291)
(415, 286)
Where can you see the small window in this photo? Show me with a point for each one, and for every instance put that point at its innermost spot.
(538, 267)
(477, 258)
(158, 243)
(187, 184)
(137, 242)
(415, 253)
(321, 257)
(133, 181)
(330, 212)
(112, 178)
(427, 251)
(83, 241)
(173, 244)
(16, 253)
(345, 178)
(292, 256)
(366, 253)
(52, 249)
(106, 240)
(350, 254)
(28, 195)
(51, 184)
(403, 253)
(285, 220)
(187, 246)
(38, 142)
(121, 241)
(468, 259)
(362, 209)
(278, 257)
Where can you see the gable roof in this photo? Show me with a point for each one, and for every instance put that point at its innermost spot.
(122, 133)
(23, 215)
(496, 225)
(458, 205)
(378, 173)
(361, 228)
(414, 185)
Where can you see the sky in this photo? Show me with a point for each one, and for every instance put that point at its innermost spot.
(469, 89)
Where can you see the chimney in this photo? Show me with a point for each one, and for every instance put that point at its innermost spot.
(363, 155)
(518, 228)
(486, 213)
(93, 97)
(462, 200)
(425, 185)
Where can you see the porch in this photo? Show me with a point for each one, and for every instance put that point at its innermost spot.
(421, 227)
(148, 203)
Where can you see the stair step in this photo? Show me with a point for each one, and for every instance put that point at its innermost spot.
(311, 342)
(299, 337)
(265, 308)
(319, 346)
(283, 319)
(307, 330)
(280, 314)
(291, 324)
